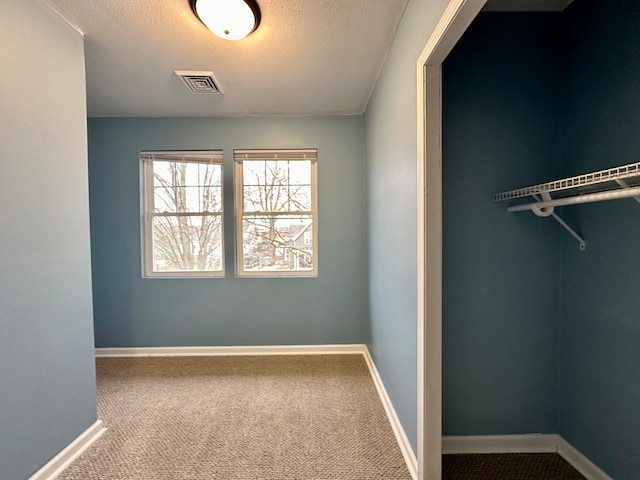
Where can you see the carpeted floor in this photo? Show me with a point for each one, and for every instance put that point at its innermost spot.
(509, 466)
(258, 418)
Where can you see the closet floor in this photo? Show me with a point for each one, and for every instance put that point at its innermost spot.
(508, 466)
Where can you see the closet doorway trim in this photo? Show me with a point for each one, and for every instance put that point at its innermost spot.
(456, 18)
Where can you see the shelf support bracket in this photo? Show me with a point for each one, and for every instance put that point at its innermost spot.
(581, 243)
(624, 184)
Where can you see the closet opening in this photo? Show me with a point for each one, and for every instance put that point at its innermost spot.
(537, 335)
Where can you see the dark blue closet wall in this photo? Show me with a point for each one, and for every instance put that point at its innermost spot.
(501, 96)
(600, 321)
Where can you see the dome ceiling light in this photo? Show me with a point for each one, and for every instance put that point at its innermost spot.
(228, 19)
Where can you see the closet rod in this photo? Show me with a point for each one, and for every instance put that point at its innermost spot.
(586, 198)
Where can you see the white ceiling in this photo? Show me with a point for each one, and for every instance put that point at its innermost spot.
(307, 57)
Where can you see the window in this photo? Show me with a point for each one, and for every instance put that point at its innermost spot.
(276, 208)
(182, 215)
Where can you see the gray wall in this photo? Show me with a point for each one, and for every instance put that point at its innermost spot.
(47, 381)
(391, 179)
(501, 280)
(600, 330)
(131, 311)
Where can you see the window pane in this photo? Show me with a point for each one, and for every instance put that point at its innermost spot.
(253, 198)
(253, 172)
(300, 172)
(277, 243)
(265, 186)
(299, 198)
(191, 243)
(187, 187)
(277, 186)
(210, 198)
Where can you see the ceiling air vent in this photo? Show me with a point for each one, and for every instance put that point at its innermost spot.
(198, 82)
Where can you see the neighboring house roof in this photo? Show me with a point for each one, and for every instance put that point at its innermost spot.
(302, 230)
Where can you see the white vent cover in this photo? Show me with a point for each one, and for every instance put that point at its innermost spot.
(198, 82)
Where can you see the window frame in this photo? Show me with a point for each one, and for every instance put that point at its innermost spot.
(147, 207)
(307, 154)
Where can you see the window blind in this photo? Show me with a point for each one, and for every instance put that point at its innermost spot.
(302, 154)
(194, 156)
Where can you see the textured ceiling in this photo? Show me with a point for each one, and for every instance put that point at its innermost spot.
(308, 57)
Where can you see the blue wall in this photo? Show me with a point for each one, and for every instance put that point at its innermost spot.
(131, 311)
(500, 270)
(391, 179)
(47, 381)
(600, 330)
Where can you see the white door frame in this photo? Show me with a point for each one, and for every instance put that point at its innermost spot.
(454, 21)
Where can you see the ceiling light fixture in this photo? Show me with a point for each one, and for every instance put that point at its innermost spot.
(228, 19)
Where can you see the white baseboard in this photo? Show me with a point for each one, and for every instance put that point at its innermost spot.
(401, 437)
(62, 460)
(219, 351)
(531, 443)
(586, 467)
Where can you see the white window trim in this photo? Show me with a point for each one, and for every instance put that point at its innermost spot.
(274, 154)
(147, 209)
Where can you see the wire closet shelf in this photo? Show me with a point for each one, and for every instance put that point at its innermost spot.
(611, 184)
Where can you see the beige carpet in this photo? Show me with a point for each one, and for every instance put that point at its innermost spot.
(270, 417)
